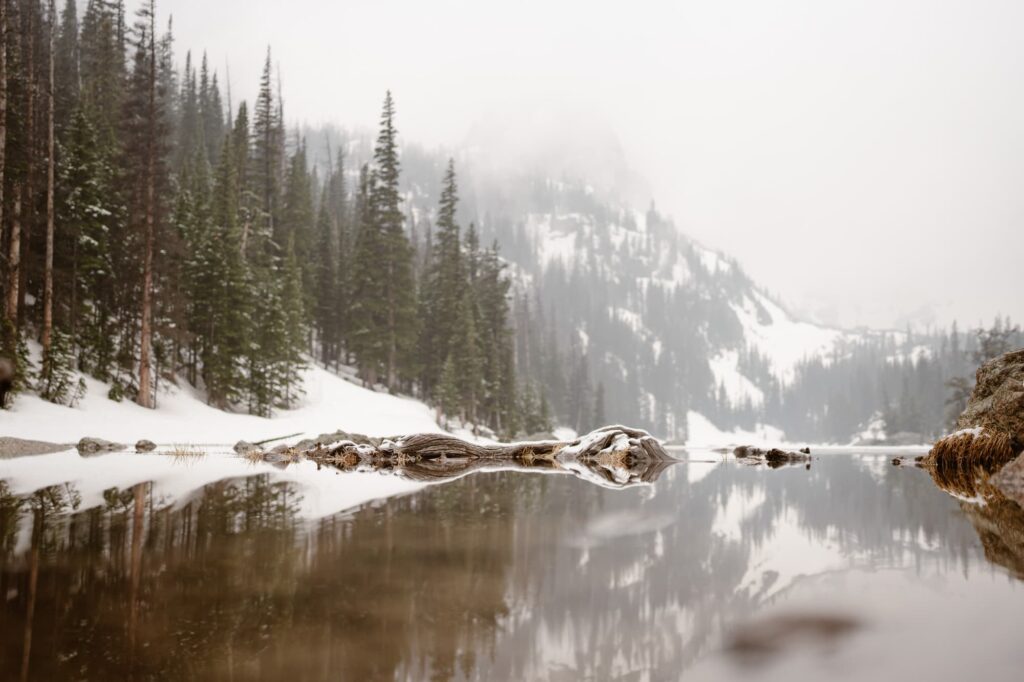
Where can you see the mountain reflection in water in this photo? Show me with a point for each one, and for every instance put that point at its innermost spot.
(853, 569)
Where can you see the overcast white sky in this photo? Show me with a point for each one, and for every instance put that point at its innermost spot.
(863, 159)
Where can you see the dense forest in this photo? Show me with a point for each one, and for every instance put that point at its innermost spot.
(154, 231)
(905, 388)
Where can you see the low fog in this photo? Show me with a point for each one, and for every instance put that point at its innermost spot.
(862, 160)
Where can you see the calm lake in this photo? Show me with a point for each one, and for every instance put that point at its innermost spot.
(130, 566)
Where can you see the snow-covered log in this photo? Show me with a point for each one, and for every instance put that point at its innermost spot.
(612, 455)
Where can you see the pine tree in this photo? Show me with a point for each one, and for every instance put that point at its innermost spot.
(399, 328)
(145, 131)
(89, 209)
(467, 352)
(448, 389)
(443, 288)
(266, 156)
(298, 220)
(366, 318)
(293, 300)
(68, 72)
(326, 288)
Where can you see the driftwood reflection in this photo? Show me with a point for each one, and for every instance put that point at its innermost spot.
(612, 475)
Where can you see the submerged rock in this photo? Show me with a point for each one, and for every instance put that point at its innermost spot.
(92, 446)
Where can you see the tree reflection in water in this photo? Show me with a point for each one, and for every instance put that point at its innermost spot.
(492, 576)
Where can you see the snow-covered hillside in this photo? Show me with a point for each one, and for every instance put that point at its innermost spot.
(331, 403)
(669, 327)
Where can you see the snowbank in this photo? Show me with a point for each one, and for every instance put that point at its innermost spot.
(182, 417)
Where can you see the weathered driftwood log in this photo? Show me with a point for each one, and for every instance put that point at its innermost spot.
(613, 455)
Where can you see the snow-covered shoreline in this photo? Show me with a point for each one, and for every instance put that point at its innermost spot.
(182, 417)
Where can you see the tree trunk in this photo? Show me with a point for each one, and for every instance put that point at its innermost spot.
(14, 261)
(28, 200)
(146, 331)
(50, 163)
(3, 112)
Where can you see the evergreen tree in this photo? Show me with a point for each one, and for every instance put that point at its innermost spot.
(399, 324)
(326, 305)
(467, 353)
(366, 312)
(443, 289)
(298, 220)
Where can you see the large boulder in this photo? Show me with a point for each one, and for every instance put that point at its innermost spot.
(997, 403)
(991, 429)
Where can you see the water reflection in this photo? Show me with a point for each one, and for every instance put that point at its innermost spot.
(494, 576)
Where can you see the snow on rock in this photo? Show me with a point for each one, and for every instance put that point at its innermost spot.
(181, 417)
(702, 433)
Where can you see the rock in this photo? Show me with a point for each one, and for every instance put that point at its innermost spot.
(92, 446)
(774, 458)
(6, 380)
(145, 446)
(991, 428)
(997, 402)
(244, 447)
(17, 447)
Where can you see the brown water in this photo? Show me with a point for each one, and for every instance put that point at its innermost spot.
(853, 569)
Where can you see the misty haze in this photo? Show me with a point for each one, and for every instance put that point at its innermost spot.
(392, 340)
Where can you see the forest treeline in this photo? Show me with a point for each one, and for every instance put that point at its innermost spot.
(155, 231)
(898, 389)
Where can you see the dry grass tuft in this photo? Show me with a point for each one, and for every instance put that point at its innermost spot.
(966, 451)
(185, 452)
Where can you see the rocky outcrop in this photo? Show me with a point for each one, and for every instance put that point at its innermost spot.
(991, 429)
(145, 446)
(997, 402)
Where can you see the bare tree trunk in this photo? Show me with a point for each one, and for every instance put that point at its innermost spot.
(50, 162)
(14, 260)
(146, 332)
(3, 110)
(28, 201)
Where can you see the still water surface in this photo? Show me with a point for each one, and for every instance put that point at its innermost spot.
(851, 569)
